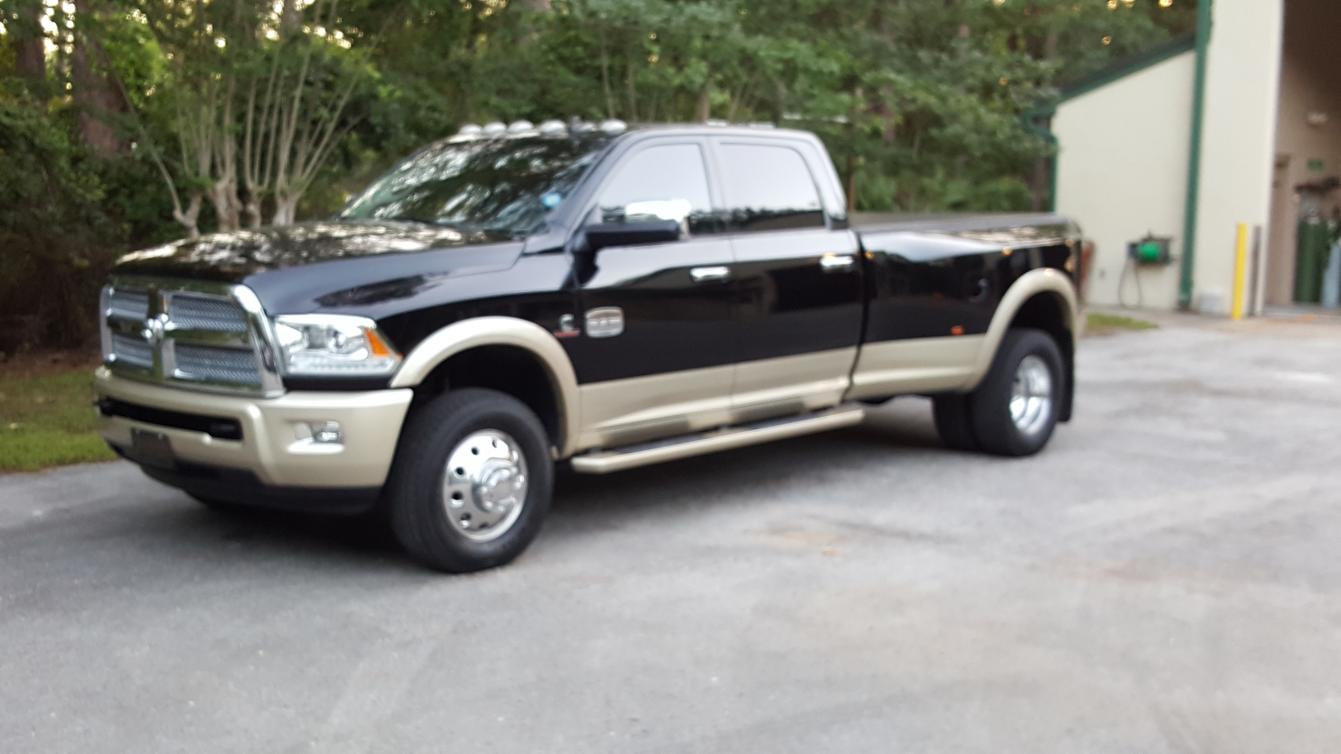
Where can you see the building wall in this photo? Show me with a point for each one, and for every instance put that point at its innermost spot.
(1310, 82)
(1122, 173)
(1238, 144)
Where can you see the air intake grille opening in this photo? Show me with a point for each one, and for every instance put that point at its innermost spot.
(209, 364)
(206, 313)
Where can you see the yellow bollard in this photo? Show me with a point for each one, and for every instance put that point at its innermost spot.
(1240, 272)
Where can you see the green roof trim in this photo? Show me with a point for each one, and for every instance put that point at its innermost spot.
(1128, 66)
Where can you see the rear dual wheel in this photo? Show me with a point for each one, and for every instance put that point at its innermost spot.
(1014, 411)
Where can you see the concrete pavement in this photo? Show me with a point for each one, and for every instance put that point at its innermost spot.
(1164, 578)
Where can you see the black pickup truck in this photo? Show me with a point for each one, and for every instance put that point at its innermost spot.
(607, 297)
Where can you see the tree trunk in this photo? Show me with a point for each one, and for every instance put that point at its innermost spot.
(227, 209)
(253, 211)
(290, 18)
(97, 98)
(29, 43)
(189, 217)
(286, 207)
(605, 78)
(1042, 180)
(851, 164)
(703, 108)
(630, 90)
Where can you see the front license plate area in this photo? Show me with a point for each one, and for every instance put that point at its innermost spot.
(152, 448)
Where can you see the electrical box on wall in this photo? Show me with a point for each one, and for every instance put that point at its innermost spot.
(1151, 250)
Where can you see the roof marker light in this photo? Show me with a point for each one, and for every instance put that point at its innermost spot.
(613, 127)
(494, 128)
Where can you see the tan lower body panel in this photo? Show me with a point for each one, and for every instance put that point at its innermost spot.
(272, 446)
(791, 384)
(725, 439)
(918, 365)
(624, 412)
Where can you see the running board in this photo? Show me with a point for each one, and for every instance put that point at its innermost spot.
(618, 459)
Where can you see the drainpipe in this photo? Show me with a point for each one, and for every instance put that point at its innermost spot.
(1194, 158)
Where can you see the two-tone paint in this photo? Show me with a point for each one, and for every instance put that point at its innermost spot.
(802, 321)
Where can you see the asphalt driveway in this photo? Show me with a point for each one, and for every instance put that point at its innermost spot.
(1165, 578)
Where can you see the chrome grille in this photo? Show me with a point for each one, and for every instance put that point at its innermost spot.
(124, 304)
(218, 365)
(214, 314)
(132, 351)
(203, 335)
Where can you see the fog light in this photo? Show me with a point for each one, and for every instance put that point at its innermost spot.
(322, 433)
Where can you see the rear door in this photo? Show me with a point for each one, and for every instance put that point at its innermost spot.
(797, 277)
(659, 341)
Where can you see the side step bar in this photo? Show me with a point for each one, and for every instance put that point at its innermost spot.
(618, 459)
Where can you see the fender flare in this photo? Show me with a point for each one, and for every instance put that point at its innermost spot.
(502, 331)
(1028, 285)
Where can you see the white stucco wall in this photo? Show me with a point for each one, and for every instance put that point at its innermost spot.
(1238, 146)
(1122, 173)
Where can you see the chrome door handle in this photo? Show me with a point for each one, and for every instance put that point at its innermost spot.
(709, 274)
(837, 262)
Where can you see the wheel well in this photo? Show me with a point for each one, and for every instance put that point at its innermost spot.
(1047, 312)
(507, 369)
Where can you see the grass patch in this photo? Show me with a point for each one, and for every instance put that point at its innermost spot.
(47, 419)
(1098, 323)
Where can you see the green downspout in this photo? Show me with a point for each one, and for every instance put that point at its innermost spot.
(1194, 158)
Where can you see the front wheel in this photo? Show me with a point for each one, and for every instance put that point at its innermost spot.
(472, 481)
(1014, 411)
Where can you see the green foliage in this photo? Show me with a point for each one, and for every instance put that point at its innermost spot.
(919, 101)
(48, 420)
(53, 229)
(1098, 323)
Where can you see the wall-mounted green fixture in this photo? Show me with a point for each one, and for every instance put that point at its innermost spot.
(1151, 250)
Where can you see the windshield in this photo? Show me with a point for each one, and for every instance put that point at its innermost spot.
(497, 185)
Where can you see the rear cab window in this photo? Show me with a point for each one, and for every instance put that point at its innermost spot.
(768, 187)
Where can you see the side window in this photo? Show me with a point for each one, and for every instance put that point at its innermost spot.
(666, 182)
(769, 188)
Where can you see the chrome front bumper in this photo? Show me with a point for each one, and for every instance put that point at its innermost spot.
(272, 444)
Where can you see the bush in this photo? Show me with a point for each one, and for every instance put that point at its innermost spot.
(56, 242)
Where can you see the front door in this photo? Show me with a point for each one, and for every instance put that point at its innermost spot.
(659, 342)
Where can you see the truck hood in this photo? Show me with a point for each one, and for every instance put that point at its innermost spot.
(233, 257)
(367, 268)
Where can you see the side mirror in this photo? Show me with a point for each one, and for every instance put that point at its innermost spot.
(631, 234)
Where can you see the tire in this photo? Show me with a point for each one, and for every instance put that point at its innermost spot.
(500, 483)
(1032, 356)
(953, 421)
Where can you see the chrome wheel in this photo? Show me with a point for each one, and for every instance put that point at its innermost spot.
(1031, 395)
(484, 485)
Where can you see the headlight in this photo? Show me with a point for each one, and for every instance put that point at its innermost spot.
(320, 345)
